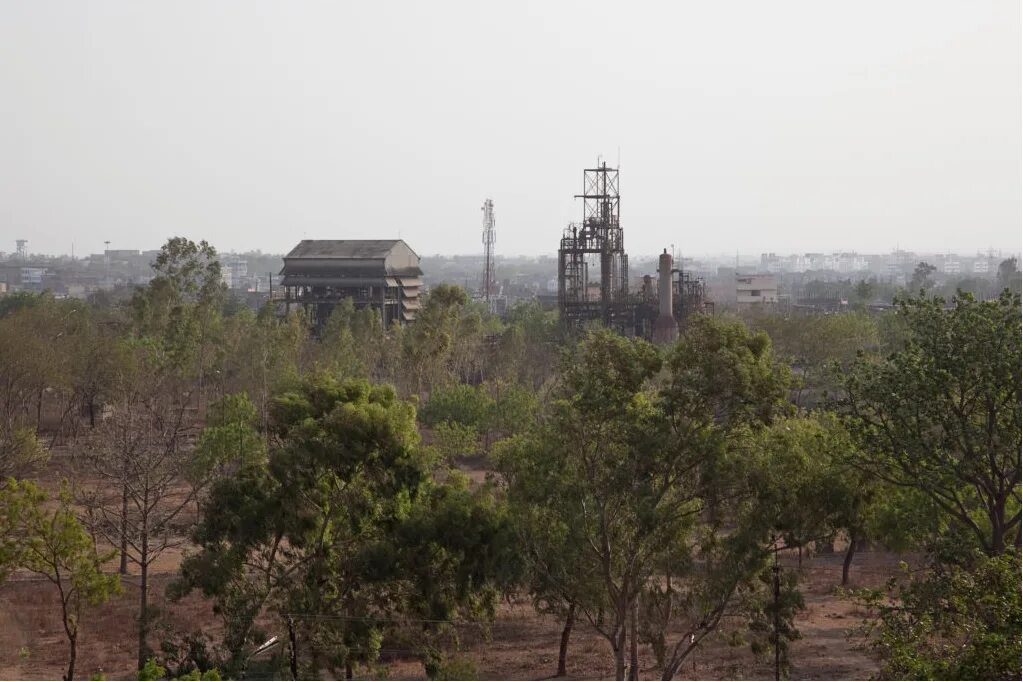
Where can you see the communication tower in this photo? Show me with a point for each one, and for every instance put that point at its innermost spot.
(489, 238)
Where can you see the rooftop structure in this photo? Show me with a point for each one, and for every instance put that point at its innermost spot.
(382, 274)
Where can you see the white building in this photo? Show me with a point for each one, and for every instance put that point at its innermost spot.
(952, 265)
(755, 289)
(233, 270)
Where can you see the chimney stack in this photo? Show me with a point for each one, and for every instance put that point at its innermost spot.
(665, 327)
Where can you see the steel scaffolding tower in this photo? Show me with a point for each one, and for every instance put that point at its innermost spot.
(600, 233)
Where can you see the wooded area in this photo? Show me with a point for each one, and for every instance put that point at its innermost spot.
(312, 486)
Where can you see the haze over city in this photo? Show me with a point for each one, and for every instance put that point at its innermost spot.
(783, 127)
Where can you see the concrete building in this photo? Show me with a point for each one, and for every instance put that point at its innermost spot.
(951, 265)
(382, 274)
(755, 289)
(233, 271)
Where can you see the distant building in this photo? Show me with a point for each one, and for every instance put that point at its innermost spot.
(951, 265)
(755, 289)
(233, 271)
(32, 277)
(382, 274)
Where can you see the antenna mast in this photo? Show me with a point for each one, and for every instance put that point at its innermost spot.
(489, 237)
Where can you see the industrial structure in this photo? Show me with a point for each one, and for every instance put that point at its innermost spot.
(489, 289)
(382, 274)
(656, 311)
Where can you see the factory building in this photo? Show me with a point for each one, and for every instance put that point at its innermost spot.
(382, 274)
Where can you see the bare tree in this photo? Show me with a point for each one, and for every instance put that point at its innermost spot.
(143, 453)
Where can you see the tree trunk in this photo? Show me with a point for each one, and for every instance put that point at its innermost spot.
(620, 663)
(73, 657)
(565, 634)
(997, 517)
(123, 569)
(633, 642)
(848, 559)
(348, 670)
(293, 658)
(144, 603)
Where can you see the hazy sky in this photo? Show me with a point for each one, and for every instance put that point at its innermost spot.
(750, 126)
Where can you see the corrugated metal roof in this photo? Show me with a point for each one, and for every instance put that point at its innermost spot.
(343, 248)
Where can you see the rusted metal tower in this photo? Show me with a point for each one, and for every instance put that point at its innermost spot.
(489, 238)
(600, 234)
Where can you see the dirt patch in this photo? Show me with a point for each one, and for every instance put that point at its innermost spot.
(520, 644)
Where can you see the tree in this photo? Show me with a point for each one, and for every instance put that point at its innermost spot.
(953, 623)
(181, 307)
(143, 455)
(20, 453)
(58, 547)
(263, 353)
(942, 415)
(469, 406)
(230, 442)
(37, 346)
(444, 343)
(921, 280)
(865, 290)
(343, 521)
(806, 487)
(621, 473)
(1008, 275)
(559, 574)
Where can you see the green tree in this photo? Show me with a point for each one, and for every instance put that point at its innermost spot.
(807, 489)
(181, 307)
(323, 528)
(560, 576)
(942, 415)
(264, 353)
(620, 473)
(453, 441)
(953, 623)
(20, 453)
(58, 547)
(444, 343)
(469, 406)
(230, 441)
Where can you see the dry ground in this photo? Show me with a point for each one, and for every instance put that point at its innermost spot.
(522, 645)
